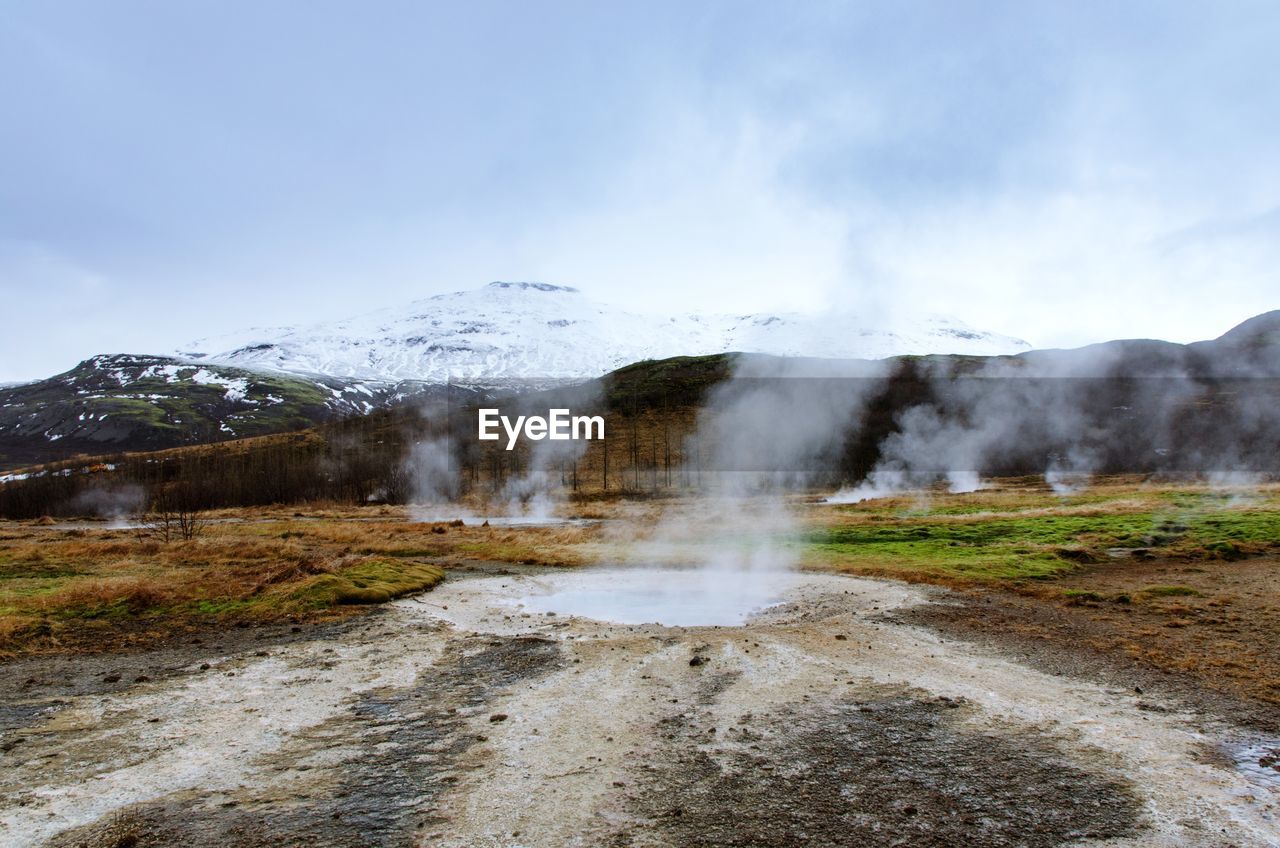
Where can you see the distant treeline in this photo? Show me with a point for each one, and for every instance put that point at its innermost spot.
(344, 461)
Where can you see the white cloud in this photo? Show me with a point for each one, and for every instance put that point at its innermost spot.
(1062, 174)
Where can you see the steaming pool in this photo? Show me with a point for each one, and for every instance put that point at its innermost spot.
(632, 595)
(673, 597)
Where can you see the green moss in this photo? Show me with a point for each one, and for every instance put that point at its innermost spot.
(1040, 545)
(224, 606)
(1226, 550)
(1170, 591)
(1027, 547)
(498, 551)
(1197, 501)
(373, 581)
(1003, 501)
(1083, 595)
(117, 609)
(373, 550)
(12, 568)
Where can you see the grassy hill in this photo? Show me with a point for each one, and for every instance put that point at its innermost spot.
(131, 403)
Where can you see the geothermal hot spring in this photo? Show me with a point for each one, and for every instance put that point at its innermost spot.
(672, 596)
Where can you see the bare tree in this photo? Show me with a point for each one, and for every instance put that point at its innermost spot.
(172, 515)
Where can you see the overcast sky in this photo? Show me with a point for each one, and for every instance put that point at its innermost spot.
(1065, 172)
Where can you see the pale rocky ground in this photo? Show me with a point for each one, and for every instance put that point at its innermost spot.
(822, 721)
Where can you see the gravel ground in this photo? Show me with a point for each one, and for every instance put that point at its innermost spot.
(457, 719)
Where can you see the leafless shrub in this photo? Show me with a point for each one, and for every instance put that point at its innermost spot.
(172, 516)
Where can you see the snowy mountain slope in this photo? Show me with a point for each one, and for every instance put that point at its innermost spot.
(132, 402)
(526, 335)
(517, 332)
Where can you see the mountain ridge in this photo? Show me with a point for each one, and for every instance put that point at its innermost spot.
(510, 333)
(1209, 410)
(138, 402)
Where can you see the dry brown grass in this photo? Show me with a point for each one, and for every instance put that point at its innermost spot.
(248, 564)
(134, 592)
(62, 588)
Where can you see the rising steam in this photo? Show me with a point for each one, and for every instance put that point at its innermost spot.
(766, 432)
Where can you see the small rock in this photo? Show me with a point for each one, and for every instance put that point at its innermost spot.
(697, 661)
(496, 717)
(141, 678)
(111, 678)
(840, 637)
(204, 666)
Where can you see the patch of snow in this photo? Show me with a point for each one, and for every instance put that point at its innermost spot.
(237, 387)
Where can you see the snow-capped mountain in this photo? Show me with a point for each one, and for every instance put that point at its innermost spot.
(140, 402)
(509, 332)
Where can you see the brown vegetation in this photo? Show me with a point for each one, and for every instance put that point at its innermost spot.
(68, 587)
(1188, 591)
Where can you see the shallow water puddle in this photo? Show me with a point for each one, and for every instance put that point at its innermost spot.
(667, 596)
(1260, 762)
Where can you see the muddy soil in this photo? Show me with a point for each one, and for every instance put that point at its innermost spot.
(459, 719)
(1212, 642)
